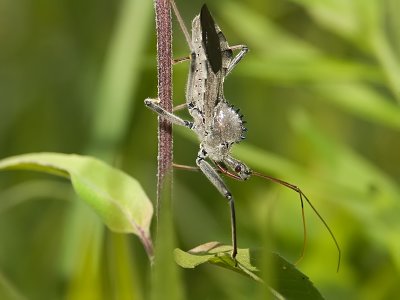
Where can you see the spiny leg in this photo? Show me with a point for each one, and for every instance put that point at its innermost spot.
(243, 51)
(217, 181)
(153, 104)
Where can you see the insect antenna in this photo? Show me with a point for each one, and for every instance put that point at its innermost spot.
(303, 196)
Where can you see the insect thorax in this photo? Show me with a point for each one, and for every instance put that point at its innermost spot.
(225, 130)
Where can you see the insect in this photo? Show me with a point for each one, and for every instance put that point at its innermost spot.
(217, 124)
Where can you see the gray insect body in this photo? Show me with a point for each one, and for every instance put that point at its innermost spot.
(204, 87)
(217, 124)
(225, 130)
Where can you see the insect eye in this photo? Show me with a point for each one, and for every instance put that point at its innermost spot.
(238, 168)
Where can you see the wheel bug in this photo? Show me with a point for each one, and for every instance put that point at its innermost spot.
(218, 124)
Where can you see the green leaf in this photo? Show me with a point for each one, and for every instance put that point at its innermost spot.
(117, 198)
(288, 283)
(8, 290)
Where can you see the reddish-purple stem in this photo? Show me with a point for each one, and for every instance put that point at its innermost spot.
(164, 69)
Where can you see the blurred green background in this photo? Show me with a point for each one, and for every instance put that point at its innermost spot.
(320, 90)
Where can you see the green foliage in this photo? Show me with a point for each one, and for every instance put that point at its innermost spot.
(287, 283)
(117, 198)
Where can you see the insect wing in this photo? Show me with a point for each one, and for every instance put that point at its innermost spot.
(210, 39)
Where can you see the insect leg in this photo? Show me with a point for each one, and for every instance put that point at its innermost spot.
(243, 51)
(217, 181)
(180, 60)
(153, 104)
(179, 107)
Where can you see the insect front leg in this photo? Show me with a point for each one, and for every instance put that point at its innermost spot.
(217, 181)
(153, 104)
(243, 51)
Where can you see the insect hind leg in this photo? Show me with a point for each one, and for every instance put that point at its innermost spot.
(217, 181)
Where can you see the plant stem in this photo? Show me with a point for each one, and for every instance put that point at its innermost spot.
(164, 69)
